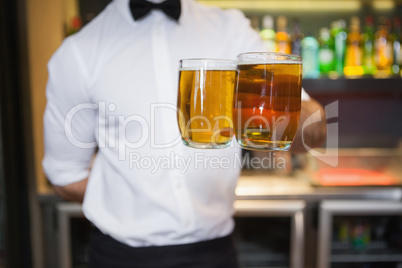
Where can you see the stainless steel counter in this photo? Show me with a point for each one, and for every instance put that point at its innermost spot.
(256, 185)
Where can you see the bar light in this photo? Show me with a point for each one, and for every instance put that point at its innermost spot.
(383, 4)
(291, 5)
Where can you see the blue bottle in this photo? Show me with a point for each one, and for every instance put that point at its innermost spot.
(309, 54)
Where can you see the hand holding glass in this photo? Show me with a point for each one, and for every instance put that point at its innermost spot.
(266, 104)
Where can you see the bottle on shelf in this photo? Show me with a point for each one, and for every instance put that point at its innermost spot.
(296, 37)
(383, 49)
(361, 235)
(368, 47)
(282, 36)
(326, 53)
(268, 34)
(339, 33)
(344, 231)
(74, 25)
(396, 41)
(255, 23)
(310, 57)
(353, 58)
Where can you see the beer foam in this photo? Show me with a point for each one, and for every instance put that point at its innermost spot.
(268, 62)
(209, 68)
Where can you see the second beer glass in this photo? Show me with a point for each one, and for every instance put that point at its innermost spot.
(267, 100)
(205, 102)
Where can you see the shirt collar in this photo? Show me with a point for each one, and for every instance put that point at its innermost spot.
(123, 7)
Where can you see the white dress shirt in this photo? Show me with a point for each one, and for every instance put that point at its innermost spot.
(115, 83)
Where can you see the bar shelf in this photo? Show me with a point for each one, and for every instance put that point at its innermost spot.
(359, 87)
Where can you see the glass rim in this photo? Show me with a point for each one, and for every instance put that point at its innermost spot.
(266, 57)
(208, 59)
(207, 63)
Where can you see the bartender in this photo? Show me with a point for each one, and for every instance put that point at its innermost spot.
(108, 123)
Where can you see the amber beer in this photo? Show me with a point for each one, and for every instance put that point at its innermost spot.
(267, 101)
(205, 103)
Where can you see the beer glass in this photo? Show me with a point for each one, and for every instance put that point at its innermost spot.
(205, 102)
(267, 101)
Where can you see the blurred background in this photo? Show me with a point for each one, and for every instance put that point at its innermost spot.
(310, 214)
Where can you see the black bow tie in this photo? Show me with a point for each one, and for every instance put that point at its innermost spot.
(140, 8)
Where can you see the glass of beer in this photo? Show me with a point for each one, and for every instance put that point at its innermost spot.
(205, 102)
(267, 101)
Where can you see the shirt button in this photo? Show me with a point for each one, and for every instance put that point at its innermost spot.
(187, 223)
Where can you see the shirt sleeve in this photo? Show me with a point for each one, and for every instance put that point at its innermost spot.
(246, 38)
(304, 95)
(69, 119)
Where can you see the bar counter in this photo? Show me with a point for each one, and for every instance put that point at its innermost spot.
(259, 194)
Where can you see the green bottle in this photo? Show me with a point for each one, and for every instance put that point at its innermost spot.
(340, 35)
(310, 57)
(368, 47)
(326, 55)
(268, 34)
(396, 39)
